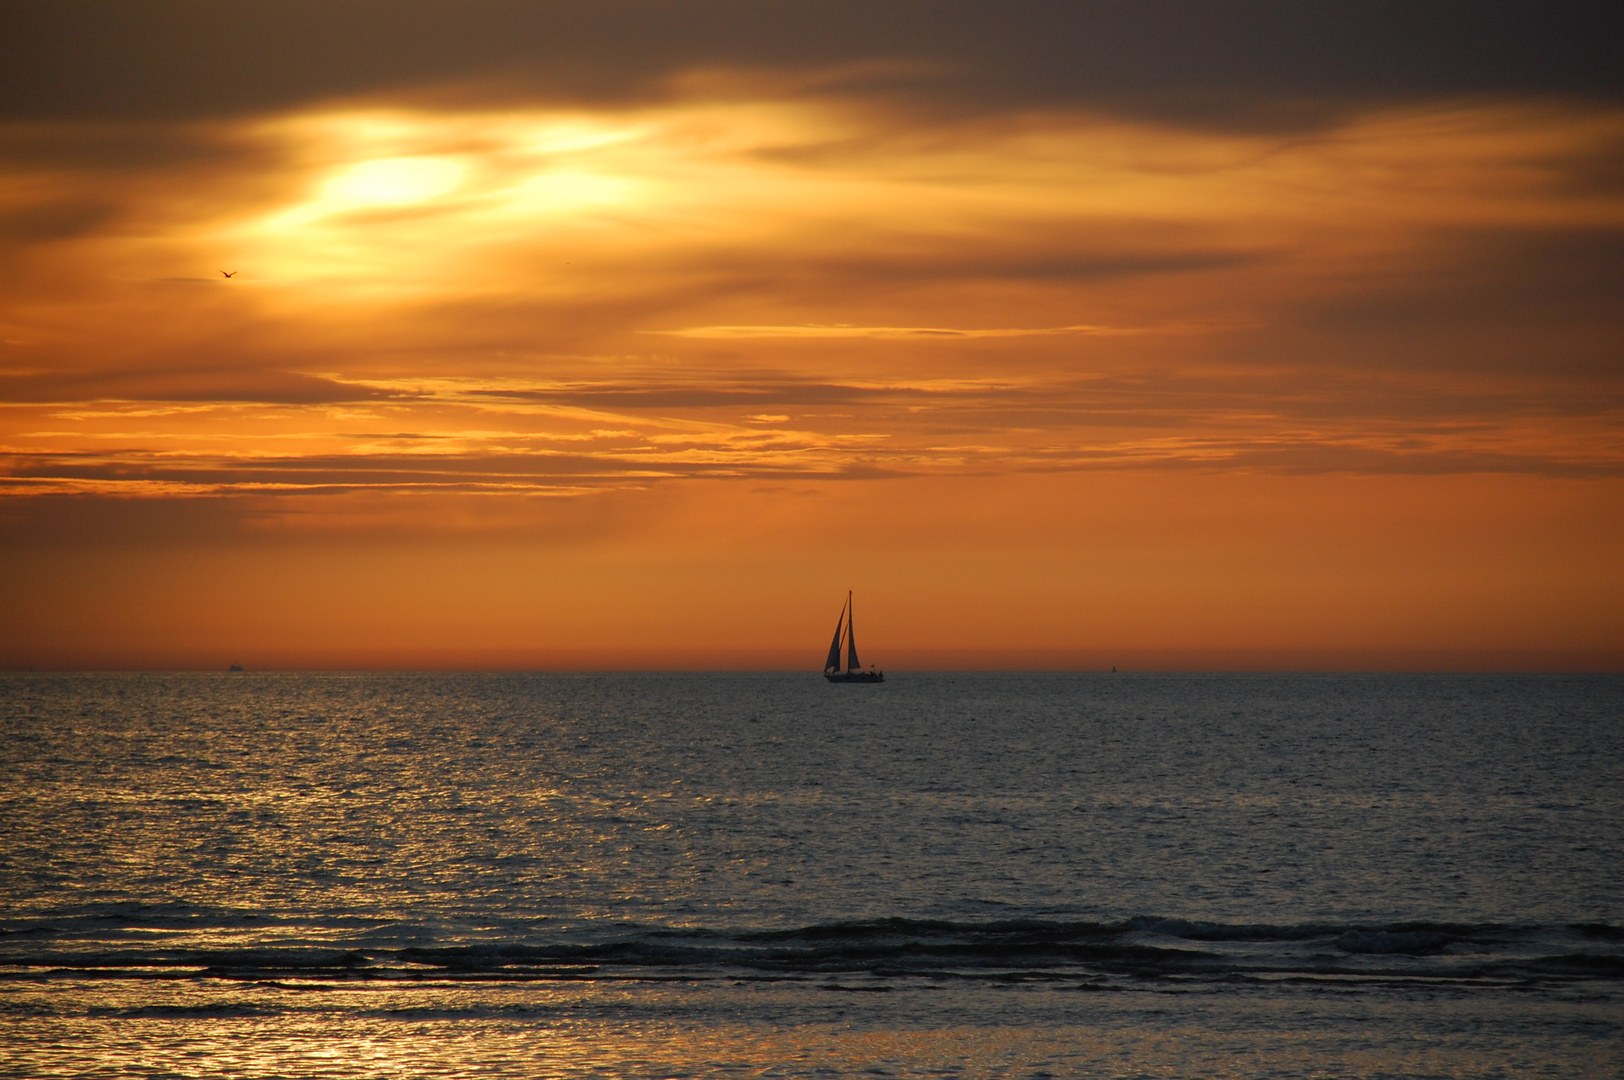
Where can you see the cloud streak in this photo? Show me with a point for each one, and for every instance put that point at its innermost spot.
(902, 333)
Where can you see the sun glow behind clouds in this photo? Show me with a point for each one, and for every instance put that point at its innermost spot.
(413, 201)
(972, 297)
(390, 182)
(471, 202)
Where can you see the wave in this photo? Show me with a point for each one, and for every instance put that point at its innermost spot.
(880, 951)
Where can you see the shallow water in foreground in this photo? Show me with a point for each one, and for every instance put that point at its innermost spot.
(664, 875)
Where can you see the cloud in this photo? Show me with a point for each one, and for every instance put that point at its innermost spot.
(1256, 62)
(181, 385)
(518, 440)
(532, 302)
(1502, 298)
(890, 333)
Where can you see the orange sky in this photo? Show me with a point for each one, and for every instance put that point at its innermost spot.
(526, 381)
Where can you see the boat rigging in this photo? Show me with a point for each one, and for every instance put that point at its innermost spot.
(854, 672)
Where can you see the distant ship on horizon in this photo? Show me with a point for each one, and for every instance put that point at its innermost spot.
(854, 672)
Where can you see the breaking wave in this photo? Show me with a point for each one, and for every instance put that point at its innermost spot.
(880, 952)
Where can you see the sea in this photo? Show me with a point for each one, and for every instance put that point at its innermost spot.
(765, 875)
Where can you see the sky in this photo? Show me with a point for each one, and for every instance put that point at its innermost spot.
(403, 334)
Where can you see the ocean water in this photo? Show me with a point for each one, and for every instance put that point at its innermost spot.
(673, 875)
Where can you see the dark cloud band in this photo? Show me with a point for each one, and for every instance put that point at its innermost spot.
(1252, 61)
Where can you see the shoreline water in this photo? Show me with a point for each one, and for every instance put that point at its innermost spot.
(649, 874)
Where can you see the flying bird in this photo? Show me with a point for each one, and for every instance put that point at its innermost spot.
(229, 273)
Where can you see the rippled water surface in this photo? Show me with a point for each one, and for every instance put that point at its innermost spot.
(661, 875)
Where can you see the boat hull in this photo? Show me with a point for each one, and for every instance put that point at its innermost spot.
(854, 676)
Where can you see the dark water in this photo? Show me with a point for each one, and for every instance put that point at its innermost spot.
(743, 875)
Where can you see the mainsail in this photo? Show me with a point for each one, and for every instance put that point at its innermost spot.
(833, 663)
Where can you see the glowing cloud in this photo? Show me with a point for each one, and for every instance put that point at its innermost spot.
(391, 182)
(892, 333)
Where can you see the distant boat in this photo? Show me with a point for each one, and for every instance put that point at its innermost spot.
(854, 670)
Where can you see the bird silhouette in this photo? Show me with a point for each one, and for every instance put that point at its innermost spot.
(229, 273)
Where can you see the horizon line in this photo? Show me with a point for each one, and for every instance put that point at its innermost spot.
(808, 672)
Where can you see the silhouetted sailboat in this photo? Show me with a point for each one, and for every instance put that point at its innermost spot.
(853, 672)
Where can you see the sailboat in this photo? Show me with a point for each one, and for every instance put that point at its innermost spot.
(854, 671)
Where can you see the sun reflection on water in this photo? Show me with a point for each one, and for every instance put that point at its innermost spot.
(205, 1030)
